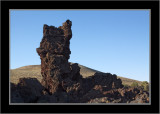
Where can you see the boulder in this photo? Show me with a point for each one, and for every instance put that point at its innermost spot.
(28, 90)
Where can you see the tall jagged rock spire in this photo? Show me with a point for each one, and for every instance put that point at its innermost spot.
(54, 52)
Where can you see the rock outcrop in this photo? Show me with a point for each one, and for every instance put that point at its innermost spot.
(58, 74)
(28, 90)
(54, 53)
(121, 95)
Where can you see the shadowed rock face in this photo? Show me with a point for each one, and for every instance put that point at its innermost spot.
(28, 90)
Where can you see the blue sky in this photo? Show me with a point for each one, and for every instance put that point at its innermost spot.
(114, 41)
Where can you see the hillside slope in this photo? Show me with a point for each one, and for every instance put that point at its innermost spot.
(34, 71)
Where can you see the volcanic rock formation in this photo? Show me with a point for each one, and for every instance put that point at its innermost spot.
(28, 90)
(62, 82)
(58, 74)
(54, 52)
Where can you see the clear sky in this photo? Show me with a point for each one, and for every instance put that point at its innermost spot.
(114, 41)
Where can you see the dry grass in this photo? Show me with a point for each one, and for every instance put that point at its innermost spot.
(34, 71)
(128, 81)
(85, 71)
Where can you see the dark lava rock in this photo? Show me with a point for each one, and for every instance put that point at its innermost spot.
(59, 76)
(47, 99)
(28, 90)
(15, 95)
(121, 95)
(107, 80)
(54, 53)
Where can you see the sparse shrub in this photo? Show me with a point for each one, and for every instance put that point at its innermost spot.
(134, 84)
(126, 85)
(145, 85)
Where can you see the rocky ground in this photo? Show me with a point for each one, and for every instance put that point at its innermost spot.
(30, 90)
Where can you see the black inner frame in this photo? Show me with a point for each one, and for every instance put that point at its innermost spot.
(153, 5)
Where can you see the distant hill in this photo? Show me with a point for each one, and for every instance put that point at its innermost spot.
(34, 71)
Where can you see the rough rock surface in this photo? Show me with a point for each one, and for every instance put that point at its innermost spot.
(62, 82)
(59, 76)
(28, 90)
(121, 95)
(54, 53)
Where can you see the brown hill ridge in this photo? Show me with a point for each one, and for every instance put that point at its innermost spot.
(34, 71)
(61, 80)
